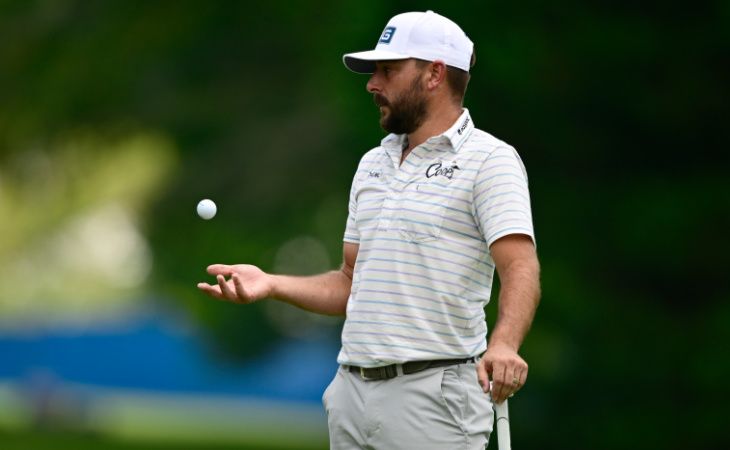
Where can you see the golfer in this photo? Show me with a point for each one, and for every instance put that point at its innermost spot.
(433, 211)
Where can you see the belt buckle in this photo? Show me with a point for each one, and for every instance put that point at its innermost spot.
(365, 377)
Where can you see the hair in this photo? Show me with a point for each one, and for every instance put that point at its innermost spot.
(457, 79)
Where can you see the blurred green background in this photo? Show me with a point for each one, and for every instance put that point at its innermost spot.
(117, 117)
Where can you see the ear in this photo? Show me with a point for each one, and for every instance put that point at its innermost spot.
(436, 74)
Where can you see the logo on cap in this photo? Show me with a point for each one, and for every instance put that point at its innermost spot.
(387, 35)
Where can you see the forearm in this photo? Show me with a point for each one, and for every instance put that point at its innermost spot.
(519, 272)
(518, 300)
(325, 293)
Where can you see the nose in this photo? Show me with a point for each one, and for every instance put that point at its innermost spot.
(373, 85)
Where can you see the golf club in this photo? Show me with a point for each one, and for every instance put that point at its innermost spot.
(501, 419)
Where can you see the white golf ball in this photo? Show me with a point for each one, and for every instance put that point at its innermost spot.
(206, 209)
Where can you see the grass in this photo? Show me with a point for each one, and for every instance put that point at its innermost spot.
(41, 440)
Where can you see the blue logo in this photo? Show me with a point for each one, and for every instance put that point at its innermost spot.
(387, 35)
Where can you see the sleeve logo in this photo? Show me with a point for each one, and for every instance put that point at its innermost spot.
(387, 35)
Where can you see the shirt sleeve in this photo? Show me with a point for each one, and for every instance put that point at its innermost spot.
(501, 196)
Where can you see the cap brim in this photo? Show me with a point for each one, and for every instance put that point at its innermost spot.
(364, 62)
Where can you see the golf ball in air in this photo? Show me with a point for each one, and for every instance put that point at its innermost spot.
(206, 209)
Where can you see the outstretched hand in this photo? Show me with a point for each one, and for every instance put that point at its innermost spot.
(508, 371)
(246, 283)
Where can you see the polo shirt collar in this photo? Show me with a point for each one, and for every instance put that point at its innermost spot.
(460, 130)
(397, 141)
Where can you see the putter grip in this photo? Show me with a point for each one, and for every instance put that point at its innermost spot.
(501, 414)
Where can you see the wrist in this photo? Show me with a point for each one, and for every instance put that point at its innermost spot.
(497, 342)
(275, 287)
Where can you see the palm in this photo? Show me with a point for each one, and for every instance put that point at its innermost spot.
(253, 279)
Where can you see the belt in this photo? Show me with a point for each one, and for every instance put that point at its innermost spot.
(391, 371)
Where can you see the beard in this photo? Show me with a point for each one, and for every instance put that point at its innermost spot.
(408, 111)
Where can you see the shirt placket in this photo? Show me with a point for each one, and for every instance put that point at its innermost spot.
(392, 200)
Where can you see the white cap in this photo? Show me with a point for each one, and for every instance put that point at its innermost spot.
(426, 36)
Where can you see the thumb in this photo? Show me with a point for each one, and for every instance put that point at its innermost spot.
(220, 269)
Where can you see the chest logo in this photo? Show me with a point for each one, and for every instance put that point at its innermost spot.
(375, 174)
(440, 169)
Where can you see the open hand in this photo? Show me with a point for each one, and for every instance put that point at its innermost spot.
(246, 284)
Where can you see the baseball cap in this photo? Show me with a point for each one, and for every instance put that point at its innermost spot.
(426, 36)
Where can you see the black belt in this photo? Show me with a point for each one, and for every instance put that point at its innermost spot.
(391, 371)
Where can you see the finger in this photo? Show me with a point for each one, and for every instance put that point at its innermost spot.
(240, 291)
(220, 269)
(498, 383)
(210, 291)
(516, 380)
(511, 382)
(508, 385)
(225, 288)
(483, 375)
(522, 377)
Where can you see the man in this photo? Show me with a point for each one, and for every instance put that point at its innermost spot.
(433, 211)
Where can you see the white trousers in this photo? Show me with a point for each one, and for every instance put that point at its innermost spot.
(440, 408)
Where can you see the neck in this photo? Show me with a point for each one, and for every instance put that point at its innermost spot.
(439, 119)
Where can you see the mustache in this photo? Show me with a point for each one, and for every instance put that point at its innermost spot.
(380, 100)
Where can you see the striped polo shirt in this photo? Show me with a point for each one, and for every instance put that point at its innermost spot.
(424, 272)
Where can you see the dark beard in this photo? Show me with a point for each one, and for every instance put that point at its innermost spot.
(407, 112)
